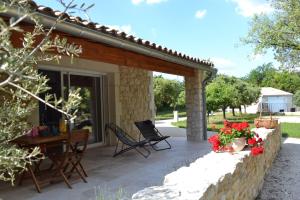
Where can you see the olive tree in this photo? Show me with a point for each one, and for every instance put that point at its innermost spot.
(279, 32)
(21, 84)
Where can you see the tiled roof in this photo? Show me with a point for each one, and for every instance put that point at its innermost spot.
(117, 34)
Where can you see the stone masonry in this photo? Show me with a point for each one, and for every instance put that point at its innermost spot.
(219, 176)
(136, 98)
(194, 106)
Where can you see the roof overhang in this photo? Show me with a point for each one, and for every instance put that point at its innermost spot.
(108, 39)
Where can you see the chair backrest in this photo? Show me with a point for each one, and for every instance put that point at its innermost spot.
(147, 129)
(120, 134)
(79, 138)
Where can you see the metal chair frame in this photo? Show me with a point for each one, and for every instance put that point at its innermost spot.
(128, 142)
(154, 137)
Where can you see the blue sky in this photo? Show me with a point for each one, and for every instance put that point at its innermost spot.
(208, 29)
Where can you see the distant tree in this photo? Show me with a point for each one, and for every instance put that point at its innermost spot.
(181, 98)
(267, 76)
(225, 91)
(167, 93)
(249, 95)
(159, 91)
(260, 74)
(219, 94)
(279, 32)
(283, 80)
(297, 98)
(244, 94)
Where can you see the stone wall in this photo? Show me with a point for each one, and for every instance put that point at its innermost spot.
(219, 176)
(136, 98)
(194, 107)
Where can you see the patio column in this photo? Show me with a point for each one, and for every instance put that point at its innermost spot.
(194, 106)
(136, 98)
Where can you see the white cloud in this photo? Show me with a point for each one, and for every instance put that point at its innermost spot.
(169, 76)
(248, 8)
(256, 57)
(136, 2)
(224, 65)
(200, 14)
(223, 62)
(124, 28)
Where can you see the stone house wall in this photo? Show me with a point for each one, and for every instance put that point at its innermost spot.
(135, 97)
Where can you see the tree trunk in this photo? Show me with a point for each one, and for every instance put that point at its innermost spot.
(233, 112)
(240, 109)
(224, 113)
(245, 109)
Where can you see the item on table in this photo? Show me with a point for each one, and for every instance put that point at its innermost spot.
(43, 131)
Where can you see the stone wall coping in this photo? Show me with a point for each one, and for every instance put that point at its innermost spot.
(191, 182)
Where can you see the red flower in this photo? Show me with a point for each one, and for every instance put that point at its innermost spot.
(259, 140)
(240, 126)
(227, 131)
(227, 124)
(214, 140)
(251, 141)
(237, 126)
(244, 125)
(257, 150)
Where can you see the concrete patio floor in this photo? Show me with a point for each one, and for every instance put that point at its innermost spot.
(129, 172)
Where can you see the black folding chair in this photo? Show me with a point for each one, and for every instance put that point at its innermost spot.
(151, 134)
(126, 140)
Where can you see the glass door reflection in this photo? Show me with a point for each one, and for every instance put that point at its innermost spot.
(89, 111)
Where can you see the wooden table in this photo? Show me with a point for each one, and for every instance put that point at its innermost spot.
(28, 142)
(39, 140)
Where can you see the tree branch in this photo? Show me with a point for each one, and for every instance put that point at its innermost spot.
(48, 33)
(40, 99)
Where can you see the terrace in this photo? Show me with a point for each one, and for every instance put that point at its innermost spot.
(129, 172)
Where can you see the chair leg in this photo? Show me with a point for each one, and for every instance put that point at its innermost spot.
(123, 151)
(75, 165)
(34, 179)
(65, 178)
(82, 169)
(116, 149)
(144, 155)
(153, 145)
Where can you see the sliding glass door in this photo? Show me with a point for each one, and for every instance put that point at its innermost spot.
(90, 111)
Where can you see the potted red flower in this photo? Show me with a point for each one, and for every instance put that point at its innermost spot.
(233, 137)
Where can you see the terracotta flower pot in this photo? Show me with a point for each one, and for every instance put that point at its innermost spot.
(238, 144)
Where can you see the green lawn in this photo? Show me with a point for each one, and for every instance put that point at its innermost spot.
(168, 114)
(216, 121)
(290, 130)
(287, 129)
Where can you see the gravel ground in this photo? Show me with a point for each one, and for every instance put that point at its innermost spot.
(283, 180)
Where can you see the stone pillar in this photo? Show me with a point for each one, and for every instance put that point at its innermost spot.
(136, 98)
(194, 106)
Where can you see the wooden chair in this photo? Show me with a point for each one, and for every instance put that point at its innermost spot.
(75, 147)
(79, 141)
